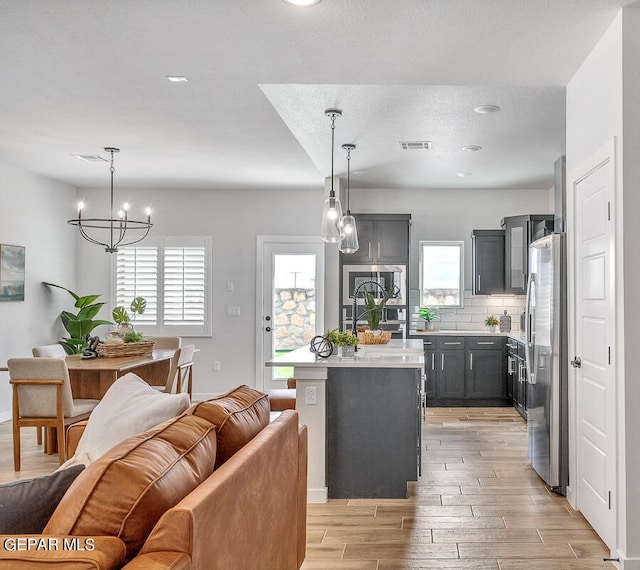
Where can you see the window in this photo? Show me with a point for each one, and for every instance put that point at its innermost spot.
(441, 273)
(173, 275)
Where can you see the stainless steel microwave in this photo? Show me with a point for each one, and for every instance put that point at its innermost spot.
(385, 275)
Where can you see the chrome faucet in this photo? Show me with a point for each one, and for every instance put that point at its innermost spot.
(354, 312)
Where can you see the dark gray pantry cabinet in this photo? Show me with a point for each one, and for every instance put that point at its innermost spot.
(466, 371)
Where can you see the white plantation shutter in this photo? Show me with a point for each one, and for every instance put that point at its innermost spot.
(137, 276)
(184, 285)
(174, 277)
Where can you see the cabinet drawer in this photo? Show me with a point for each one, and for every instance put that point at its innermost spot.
(485, 343)
(521, 350)
(450, 343)
(429, 342)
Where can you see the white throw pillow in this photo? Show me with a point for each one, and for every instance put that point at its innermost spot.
(129, 407)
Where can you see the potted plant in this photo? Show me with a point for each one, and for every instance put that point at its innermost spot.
(122, 319)
(428, 314)
(345, 341)
(81, 324)
(491, 323)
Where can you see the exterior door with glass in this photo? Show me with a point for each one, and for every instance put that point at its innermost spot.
(290, 309)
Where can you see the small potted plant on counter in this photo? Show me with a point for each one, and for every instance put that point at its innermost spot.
(345, 341)
(491, 323)
(428, 314)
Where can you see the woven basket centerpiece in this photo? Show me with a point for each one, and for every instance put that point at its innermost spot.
(126, 349)
(374, 337)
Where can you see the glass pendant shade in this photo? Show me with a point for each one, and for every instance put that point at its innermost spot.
(331, 215)
(349, 243)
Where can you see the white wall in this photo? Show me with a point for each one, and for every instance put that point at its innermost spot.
(234, 219)
(602, 101)
(33, 213)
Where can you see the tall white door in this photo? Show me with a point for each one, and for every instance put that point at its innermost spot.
(290, 304)
(594, 345)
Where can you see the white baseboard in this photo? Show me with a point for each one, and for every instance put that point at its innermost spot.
(571, 497)
(317, 495)
(5, 416)
(626, 563)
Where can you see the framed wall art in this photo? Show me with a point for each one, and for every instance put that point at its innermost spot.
(11, 272)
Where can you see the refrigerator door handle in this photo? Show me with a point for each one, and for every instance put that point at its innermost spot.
(528, 326)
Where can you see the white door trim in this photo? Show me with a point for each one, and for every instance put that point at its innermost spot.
(605, 154)
(261, 241)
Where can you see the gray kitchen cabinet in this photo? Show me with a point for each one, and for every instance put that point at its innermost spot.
(520, 231)
(383, 238)
(465, 371)
(430, 367)
(450, 362)
(487, 261)
(486, 372)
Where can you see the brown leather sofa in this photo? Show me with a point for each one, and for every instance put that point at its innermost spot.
(153, 502)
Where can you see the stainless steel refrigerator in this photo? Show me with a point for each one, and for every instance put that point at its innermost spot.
(546, 358)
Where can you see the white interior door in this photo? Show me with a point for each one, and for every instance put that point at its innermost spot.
(290, 305)
(594, 327)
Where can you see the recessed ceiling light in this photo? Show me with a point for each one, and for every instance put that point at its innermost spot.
(302, 2)
(463, 174)
(177, 79)
(486, 109)
(472, 148)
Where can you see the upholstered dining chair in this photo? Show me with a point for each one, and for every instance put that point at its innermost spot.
(181, 370)
(42, 398)
(49, 351)
(165, 342)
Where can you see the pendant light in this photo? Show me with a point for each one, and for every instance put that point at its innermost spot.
(332, 210)
(349, 243)
(112, 232)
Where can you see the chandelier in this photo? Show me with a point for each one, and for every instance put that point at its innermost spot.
(120, 231)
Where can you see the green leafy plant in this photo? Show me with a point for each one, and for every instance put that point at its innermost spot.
(428, 314)
(137, 307)
(491, 321)
(81, 324)
(133, 336)
(340, 338)
(373, 311)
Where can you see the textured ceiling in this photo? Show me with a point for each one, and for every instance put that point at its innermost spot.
(79, 75)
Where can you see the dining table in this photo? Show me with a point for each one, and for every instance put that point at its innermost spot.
(92, 377)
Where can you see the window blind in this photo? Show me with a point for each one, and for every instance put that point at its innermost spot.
(184, 286)
(137, 276)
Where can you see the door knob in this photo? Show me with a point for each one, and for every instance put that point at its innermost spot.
(576, 362)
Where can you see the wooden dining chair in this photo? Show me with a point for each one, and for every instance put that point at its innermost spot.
(165, 342)
(181, 369)
(42, 398)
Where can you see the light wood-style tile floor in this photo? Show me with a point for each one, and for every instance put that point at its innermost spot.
(478, 505)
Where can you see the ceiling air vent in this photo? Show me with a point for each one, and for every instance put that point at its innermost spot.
(415, 145)
(90, 157)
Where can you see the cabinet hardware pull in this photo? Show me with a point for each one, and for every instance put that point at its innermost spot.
(471, 361)
(442, 362)
(369, 251)
(452, 343)
(433, 361)
(378, 250)
(486, 343)
(478, 282)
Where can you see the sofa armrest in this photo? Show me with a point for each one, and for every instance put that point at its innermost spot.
(34, 551)
(74, 433)
(160, 561)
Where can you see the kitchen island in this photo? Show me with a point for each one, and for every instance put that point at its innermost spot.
(363, 417)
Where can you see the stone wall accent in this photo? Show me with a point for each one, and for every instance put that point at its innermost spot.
(295, 320)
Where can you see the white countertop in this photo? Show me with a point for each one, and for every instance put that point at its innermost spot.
(517, 335)
(397, 353)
